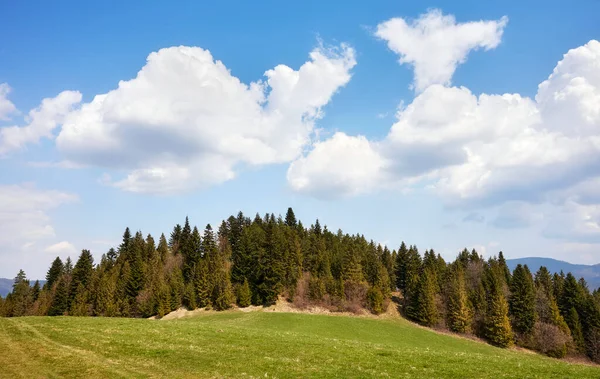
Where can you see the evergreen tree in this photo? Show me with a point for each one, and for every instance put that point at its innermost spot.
(54, 272)
(290, 218)
(244, 296)
(572, 319)
(163, 248)
(412, 271)
(203, 285)
(68, 268)
(401, 262)
(422, 306)
(35, 291)
(82, 274)
(60, 300)
(522, 300)
(175, 238)
(125, 247)
(21, 295)
(459, 315)
(497, 329)
(504, 268)
(375, 300)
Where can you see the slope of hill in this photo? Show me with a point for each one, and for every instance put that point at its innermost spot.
(258, 344)
(591, 273)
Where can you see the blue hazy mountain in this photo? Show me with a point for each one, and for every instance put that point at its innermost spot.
(591, 273)
(6, 285)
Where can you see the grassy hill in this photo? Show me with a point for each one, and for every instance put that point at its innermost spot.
(257, 344)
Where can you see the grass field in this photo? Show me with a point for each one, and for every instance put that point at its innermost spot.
(257, 344)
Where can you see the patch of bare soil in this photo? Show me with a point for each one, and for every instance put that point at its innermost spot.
(250, 308)
(179, 313)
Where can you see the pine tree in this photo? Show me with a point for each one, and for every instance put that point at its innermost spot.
(82, 274)
(104, 304)
(401, 262)
(35, 291)
(189, 299)
(203, 285)
(175, 239)
(504, 268)
(459, 315)
(290, 218)
(125, 247)
(388, 262)
(497, 329)
(422, 306)
(244, 296)
(60, 300)
(21, 295)
(192, 248)
(522, 300)
(54, 272)
(412, 271)
(572, 319)
(163, 248)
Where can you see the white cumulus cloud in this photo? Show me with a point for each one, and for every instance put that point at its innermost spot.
(6, 106)
(485, 150)
(41, 122)
(63, 248)
(25, 223)
(340, 166)
(435, 44)
(185, 121)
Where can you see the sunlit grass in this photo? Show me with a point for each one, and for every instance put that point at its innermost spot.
(257, 344)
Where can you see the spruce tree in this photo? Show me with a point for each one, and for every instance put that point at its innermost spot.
(522, 300)
(163, 248)
(35, 291)
(459, 315)
(572, 319)
(497, 329)
(504, 268)
(203, 285)
(290, 218)
(244, 297)
(54, 272)
(60, 300)
(401, 262)
(82, 274)
(422, 307)
(21, 295)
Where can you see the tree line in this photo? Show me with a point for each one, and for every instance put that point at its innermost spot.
(257, 261)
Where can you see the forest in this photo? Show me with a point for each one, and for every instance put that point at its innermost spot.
(259, 261)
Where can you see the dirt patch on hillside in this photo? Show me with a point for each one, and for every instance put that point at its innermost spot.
(180, 313)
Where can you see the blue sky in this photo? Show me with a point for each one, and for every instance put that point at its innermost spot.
(340, 135)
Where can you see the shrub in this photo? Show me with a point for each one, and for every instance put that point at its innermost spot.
(550, 340)
(375, 300)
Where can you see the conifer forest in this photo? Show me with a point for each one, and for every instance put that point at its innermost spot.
(265, 259)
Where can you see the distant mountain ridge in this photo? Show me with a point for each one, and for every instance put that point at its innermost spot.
(6, 285)
(591, 273)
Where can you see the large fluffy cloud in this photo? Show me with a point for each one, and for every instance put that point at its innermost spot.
(41, 121)
(435, 44)
(487, 149)
(25, 223)
(185, 121)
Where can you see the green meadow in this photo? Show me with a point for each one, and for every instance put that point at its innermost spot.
(257, 344)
